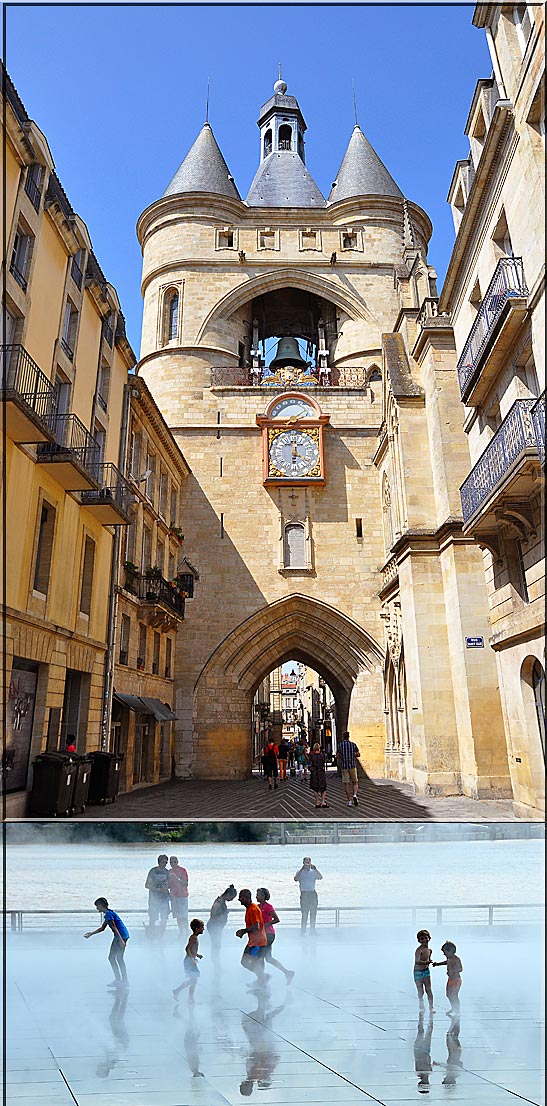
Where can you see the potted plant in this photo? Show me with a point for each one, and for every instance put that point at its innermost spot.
(176, 532)
(153, 574)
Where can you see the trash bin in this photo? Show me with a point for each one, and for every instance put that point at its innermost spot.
(52, 784)
(82, 777)
(105, 776)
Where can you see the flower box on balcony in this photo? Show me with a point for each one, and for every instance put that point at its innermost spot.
(176, 533)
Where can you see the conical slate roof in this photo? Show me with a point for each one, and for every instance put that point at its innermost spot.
(362, 173)
(203, 169)
(282, 180)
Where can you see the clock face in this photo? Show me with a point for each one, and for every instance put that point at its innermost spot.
(290, 406)
(294, 453)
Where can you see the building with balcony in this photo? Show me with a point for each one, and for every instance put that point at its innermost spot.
(63, 395)
(155, 583)
(495, 293)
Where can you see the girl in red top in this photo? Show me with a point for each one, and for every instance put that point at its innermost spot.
(269, 916)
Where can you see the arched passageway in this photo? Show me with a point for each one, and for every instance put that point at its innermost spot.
(295, 628)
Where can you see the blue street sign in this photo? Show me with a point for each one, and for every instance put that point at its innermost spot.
(474, 642)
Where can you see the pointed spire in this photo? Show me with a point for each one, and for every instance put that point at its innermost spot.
(203, 169)
(362, 173)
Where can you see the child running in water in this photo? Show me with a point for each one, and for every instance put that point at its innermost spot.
(454, 968)
(191, 969)
(422, 961)
(119, 940)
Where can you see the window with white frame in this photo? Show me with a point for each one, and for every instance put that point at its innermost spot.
(226, 238)
(350, 238)
(268, 239)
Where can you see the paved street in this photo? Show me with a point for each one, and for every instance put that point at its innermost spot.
(250, 800)
(346, 1030)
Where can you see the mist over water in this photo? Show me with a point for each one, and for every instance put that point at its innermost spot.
(42, 875)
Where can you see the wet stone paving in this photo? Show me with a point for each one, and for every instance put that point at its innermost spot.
(379, 800)
(346, 1030)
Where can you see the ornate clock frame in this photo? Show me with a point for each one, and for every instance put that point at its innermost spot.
(272, 427)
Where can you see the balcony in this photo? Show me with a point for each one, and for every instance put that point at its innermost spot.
(157, 591)
(73, 457)
(506, 471)
(500, 316)
(33, 191)
(18, 275)
(29, 399)
(111, 501)
(342, 376)
(67, 349)
(538, 421)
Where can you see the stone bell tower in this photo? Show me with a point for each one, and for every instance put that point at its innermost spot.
(283, 516)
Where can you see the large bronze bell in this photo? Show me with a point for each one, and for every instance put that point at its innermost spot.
(288, 353)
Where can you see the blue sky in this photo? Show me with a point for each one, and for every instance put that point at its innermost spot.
(119, 92)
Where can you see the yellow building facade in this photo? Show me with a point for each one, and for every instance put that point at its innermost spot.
(65, 360)
(495, 293)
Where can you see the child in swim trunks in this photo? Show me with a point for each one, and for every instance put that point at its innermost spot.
(191, 969)
(454, 968)
(422, 961)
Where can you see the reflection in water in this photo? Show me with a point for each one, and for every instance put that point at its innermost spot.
(454, 1063)
(262, 1057)
(191, 1049)
(116, 1048)
(422, 1054)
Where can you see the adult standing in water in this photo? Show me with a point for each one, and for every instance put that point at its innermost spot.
(307, 877)
(269, 917)
(178, 894)
(318, 776)
(217, 920)
(157, 885)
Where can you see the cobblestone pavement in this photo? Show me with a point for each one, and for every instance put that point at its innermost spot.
(250, 800)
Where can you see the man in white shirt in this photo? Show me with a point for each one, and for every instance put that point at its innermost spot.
(307, 877)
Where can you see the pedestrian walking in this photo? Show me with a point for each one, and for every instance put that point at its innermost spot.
(178, 893)
(270, 917)
(347, 755)
(301, 760)
(119, 940)
(318, 776)
(157, 885)
(307, 877)
(283, 757)
(271, 753)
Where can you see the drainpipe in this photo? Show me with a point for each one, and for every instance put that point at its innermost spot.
(108, 688)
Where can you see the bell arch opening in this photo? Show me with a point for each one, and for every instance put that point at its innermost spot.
(296, 628)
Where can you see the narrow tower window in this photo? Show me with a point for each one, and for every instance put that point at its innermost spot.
(267, 143)
(171, 315)
(285, 137)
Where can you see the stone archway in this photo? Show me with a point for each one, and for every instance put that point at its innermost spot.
(294, 628)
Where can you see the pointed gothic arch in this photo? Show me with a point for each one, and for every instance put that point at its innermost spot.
(294, 628)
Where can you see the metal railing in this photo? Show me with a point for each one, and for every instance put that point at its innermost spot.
(508, 281)
(515, 435)
(18, 276)
(22, 377)
(538, 422)
(67, 349)
(113, 488)
(342, 376)
(434, 914)
(33, 191)
(102, 401)
(71, 437)
(76, 273)
(154, 589)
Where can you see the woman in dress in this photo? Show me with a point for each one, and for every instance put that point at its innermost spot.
(318, 776)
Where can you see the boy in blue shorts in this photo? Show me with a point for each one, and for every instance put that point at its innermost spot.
(422, 962)
(191, 969)
(119, 940)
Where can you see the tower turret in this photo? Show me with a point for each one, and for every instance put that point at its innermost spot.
(282, 179)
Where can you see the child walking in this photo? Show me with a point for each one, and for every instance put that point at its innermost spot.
(422, 975)
(191, 969)
(454, 968)
(119, 940)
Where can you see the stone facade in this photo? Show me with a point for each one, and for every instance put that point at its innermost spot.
(495, 292)
(390, 586)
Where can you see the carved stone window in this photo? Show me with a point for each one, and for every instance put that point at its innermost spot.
(295, 546)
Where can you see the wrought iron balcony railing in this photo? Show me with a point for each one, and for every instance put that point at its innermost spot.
(33, 192)
(515, 435)
(508, 282)
(102, 401)
(154, 589)
(538, 420)
(343, 376)
(24, 381)
(72, 438)
(18, 275)
(67, 349)
(113, 489)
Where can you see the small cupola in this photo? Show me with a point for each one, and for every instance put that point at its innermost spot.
(281, 124)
